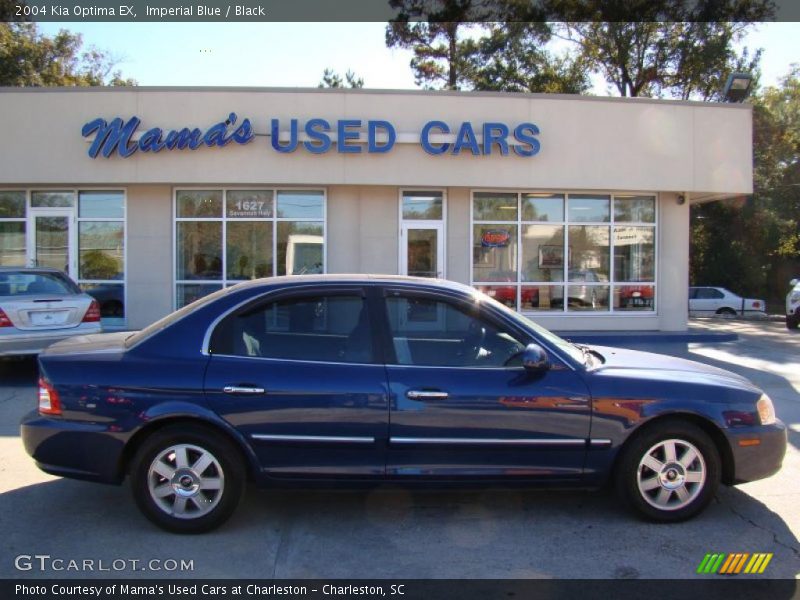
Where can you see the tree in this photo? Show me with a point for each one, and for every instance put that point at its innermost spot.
(662, 47)
(441, 54)
(513, 58)
(331, 79)
(29, 58)
(752, 245)
(482, 45)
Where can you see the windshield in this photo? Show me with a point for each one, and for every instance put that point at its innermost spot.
(574, 352)
(171, 318)
(33, 283)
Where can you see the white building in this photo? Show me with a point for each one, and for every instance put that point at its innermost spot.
(533, 198)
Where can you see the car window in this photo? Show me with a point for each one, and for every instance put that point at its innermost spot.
(33, 284)
(435, 333)
(709, 294)
(329, 328)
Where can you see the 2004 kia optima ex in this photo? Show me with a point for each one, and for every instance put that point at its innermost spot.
(358, 378)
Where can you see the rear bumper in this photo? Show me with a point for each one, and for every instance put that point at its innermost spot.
(73, 449)
(753, 462)
(21, 342)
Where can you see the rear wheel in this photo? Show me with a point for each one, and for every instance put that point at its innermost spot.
(726, 313)
(187, 479)
(670, 472)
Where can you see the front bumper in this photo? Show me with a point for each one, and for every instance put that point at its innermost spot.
(757, 461)
(73, 449)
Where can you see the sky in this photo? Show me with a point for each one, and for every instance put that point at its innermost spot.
(296, 54)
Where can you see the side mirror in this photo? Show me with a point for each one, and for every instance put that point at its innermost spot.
(534, 359)
(794, 282)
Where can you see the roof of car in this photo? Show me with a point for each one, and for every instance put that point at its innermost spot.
(354, 278)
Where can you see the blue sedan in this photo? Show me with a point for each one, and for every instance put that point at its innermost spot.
(385, 379)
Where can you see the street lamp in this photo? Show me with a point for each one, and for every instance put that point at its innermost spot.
(737, 87)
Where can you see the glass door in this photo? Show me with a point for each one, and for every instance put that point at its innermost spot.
(51, 241)
(422, 254)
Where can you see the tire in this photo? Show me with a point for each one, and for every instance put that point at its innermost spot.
(792, 321)
(658, 497)
(207, 498)
(727, 313)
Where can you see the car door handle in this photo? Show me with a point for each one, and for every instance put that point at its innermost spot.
(426, 395)
(243, 390)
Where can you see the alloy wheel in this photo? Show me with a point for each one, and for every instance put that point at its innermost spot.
(671, 474)
(185, 481)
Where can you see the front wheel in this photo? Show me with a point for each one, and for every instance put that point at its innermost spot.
(187, 479)
(792, 321)
(669, 473)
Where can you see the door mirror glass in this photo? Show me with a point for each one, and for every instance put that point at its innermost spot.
(535, 359)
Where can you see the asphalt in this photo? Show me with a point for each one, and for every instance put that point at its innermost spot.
(391, 533)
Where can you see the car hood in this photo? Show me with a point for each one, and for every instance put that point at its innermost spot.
(84, 344)
(633, 363)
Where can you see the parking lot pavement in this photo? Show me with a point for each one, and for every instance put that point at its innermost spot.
(391, 533)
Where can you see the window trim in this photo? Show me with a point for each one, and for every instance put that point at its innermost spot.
(612, 284)
(223, 219)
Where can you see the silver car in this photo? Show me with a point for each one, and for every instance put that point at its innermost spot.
(40, 306)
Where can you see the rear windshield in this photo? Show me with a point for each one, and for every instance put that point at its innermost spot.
(35, 284)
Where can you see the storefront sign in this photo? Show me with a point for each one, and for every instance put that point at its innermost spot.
(317, 136)
(495, 238)
(118, 136)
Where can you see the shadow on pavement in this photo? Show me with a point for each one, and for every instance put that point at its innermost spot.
(497, 533)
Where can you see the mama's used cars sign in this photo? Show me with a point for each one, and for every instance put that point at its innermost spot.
(317, 136)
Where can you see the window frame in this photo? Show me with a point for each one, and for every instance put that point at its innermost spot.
(223, 219)
(612, 284)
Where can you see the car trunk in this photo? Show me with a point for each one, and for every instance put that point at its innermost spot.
(32, 313)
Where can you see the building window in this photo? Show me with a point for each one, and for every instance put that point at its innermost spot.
(81, 232)
(101, 251)
(226, 236)
(531, 251)
(13, 215)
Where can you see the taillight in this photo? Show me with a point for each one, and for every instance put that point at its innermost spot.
(4, 320)
(49, 402)
(756, 304)
(92, 313)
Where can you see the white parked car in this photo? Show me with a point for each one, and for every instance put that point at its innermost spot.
(705, 301)
(40, 306)
(793, 305)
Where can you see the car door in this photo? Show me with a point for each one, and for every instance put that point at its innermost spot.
(463, 406)
(300, 376)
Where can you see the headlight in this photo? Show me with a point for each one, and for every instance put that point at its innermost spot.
(766, 412)
(795, 297)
